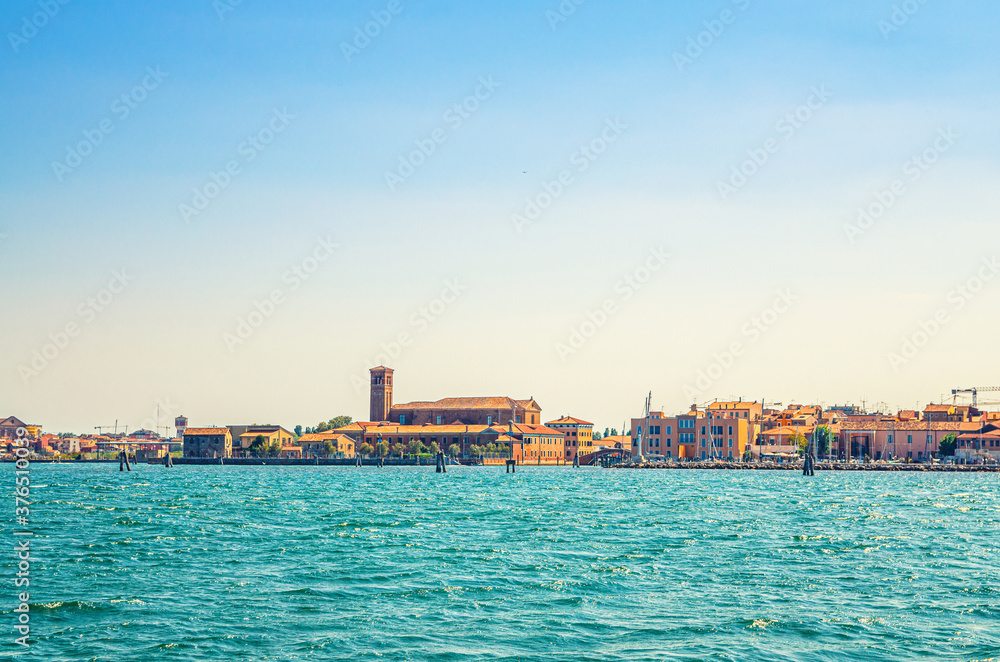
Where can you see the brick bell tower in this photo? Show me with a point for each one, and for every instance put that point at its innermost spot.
(381, 400)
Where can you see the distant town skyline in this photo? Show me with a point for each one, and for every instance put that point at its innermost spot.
(234, 209)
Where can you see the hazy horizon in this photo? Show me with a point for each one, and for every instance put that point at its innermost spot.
(530, 199)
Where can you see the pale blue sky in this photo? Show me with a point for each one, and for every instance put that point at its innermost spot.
(323, 176)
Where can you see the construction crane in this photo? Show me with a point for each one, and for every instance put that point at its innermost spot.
(100, 428)
(974, 391)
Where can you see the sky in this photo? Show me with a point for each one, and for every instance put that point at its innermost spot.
(232, 209)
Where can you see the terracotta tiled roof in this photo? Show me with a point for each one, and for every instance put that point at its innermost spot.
(202, 431)
(569, 420)
(992, 434)
(938, 408)
(492, 402)
(783, 432)
(319, 436)
(524, 428)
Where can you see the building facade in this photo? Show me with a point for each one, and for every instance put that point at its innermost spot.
(381, 393)
(579, 436)
(314, 445)
(208, 442)
(697, 435)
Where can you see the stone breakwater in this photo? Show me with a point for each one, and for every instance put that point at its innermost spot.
(819, 466)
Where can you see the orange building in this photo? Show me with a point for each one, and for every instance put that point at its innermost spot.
(699, 434)
(579, 436)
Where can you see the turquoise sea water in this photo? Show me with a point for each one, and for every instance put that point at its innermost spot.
(338, 563)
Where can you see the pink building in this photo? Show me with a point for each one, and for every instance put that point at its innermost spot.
(891, 438)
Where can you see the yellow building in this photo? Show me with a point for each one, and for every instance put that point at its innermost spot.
(270, 433)
(579, 436)
(313, 445)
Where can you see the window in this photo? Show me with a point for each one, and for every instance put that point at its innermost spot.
(730, 430)
(909, 440)
(489, 420)
(402, 419)
(730, 445)
(703, 429)
(438, 419)
(668, 430)
(703, 445)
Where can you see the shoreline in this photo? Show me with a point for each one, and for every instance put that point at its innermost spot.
(670, 466)
(819, 466)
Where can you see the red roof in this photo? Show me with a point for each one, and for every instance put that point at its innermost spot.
(569, 420)
(204, 431)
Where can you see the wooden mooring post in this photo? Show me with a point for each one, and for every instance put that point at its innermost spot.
(512, 466)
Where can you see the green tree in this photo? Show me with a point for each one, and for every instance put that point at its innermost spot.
(434, 449)
(475, 450)
(415, 447)
(258, 443)
(340, 421)
(799, 441)
(366, 449)
(383, 448)
(270, 448)
(606, 432)
(454, 450)
(614, 432)
(329, 448)
(298, 431)
(597, 436)
(398, 449)
(322, 427)
(948, 445)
